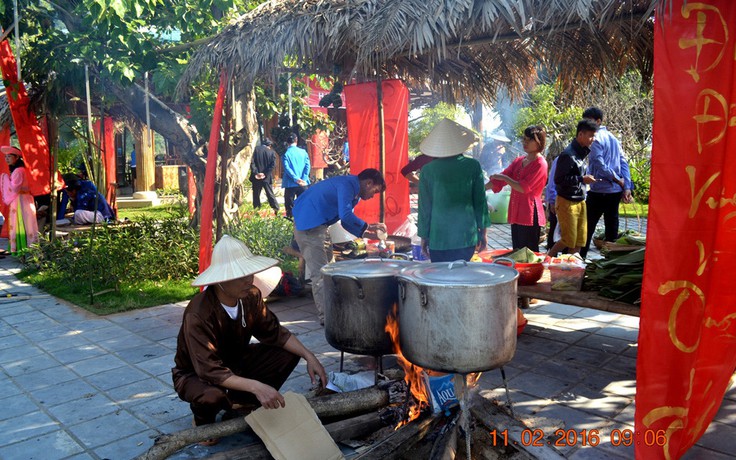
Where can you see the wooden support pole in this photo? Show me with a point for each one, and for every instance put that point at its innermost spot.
(381, 147)
(400, 441)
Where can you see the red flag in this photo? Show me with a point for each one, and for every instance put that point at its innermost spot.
(32, 141)
(108, 156)
(363, 139)
(208, 195)
(687, 337)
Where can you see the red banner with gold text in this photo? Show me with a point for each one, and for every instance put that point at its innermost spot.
(687, 338)
(362, 116)
(31, 138)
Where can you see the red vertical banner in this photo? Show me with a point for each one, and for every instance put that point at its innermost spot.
(210, 175)
(32, 141)
(363, 139)
(107, 145)
(687, 338)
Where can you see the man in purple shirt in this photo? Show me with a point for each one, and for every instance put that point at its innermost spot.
(608, 165)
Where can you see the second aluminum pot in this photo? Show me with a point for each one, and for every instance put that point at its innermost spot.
(359, 295)
(458, 317)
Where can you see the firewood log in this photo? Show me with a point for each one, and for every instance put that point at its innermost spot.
(340, 404)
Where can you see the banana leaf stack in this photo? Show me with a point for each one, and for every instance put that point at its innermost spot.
(617, 276)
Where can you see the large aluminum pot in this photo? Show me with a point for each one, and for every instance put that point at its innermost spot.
(459, 316)
(359, 295)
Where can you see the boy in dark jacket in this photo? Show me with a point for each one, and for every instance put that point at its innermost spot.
(570, 181)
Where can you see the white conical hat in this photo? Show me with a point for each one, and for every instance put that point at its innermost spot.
(267, 280)
(448, 139)
(231, 259)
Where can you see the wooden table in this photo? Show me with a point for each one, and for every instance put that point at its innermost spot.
(587, 299)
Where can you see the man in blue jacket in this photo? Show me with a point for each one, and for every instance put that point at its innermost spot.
(296, 173)
(608, 165)
(322, 205)
(81, 194)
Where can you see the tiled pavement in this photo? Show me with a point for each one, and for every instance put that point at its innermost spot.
(79, 386)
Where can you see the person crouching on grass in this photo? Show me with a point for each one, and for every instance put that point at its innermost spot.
(216, 366)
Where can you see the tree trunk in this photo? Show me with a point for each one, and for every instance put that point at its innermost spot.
(184, 136)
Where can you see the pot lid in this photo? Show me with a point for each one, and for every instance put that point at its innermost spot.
(459, 273)
(367, 268)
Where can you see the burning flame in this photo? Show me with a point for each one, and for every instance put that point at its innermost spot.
(412, 373)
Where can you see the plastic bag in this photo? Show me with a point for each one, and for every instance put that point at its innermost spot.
(409, 228)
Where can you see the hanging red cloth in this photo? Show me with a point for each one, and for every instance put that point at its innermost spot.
(208, 195)
(364, 143)
(32, 141)
(107, 145)
(687, 336)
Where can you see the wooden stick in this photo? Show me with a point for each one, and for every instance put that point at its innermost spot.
(397, 443)
(339, 431)
(445, 446)
(340, 404)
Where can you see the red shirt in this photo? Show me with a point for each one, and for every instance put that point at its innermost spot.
(532, 178)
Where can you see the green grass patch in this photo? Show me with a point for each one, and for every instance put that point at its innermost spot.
(129, 297)
(634, 209)
(152, 212)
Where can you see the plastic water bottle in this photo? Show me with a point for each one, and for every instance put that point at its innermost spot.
(416, 248)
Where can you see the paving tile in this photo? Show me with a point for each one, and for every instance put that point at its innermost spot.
(560, 309)
(97, 364)
(130, 447)
(28, 320)
(30, 365)
(68, 340)
(57, 444)
(13, 340)
(117, 377)
(561, 334)
(720, 438)
(608, 344)
(522, 403)
(700, 453)
(123, 341)
(570, 372)
(585, 356)
(539, 385)
(111, 428)
(580, 324)
(104, 331)
(44, 378)
(596, 315)
(159, 367)
(621, 364)
(139, 392)
(13, 354)
(77, 353)
(62, 392)
(727, 413)
(541, 345)
(85, 407)
(524, 359)
(160, 411)
(26, 427)
(16, 405)
(144, 353)
(607, 406)
(609, 446)
(53, 330)
(620, 332)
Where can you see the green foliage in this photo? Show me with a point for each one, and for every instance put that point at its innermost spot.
(149, 261)
(419, 128)
(545, 107)
(305, 120)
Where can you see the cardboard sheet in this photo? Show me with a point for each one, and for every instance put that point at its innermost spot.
(294, 432)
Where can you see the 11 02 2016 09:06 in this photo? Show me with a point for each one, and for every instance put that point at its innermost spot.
(570, 438)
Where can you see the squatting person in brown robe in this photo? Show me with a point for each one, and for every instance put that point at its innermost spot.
(216, 365)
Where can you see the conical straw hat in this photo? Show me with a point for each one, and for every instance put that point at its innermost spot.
(267, 280)
(231, 259)
(448, 139)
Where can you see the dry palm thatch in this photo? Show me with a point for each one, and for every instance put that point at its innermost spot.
(460, 48)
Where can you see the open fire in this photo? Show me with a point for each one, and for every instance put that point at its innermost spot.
(412, 373)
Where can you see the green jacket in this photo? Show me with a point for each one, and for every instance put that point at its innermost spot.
(452, 203)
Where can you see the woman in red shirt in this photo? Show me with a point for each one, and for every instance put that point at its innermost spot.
(527, 176)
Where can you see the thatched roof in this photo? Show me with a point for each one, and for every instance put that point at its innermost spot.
(462, 48)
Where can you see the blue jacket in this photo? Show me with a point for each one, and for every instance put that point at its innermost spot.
(550, 191)
(328, 201)
(607, 163)
(296, 166)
